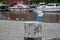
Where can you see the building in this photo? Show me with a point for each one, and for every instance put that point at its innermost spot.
(12, 2)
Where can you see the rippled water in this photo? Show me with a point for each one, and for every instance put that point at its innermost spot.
(20, 16)
(51, 17)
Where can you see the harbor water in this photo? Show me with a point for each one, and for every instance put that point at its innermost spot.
(51, 17)
(11, 30)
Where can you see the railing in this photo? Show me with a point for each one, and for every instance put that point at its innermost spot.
(19, 9)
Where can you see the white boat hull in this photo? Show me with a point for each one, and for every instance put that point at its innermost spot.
(51, 9)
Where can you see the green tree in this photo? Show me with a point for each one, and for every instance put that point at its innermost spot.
(35, 1)
(0, 0)
(58, 1)
(50, 1)
(47, 1)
